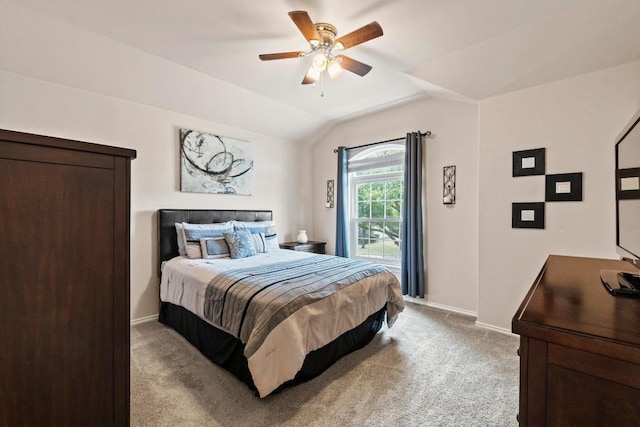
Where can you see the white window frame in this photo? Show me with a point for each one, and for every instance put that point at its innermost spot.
(362, 162)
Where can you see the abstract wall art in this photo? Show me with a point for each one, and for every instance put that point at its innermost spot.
(214, 164)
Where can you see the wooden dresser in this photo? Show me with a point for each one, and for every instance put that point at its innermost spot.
(64, 282)
(579, 348)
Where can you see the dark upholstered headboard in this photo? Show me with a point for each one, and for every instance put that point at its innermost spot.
(167, 218)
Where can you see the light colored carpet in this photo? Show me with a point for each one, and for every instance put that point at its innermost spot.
(432, 368)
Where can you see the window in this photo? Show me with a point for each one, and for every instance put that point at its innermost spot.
(376, 178)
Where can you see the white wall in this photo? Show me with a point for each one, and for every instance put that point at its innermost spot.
(451, 230)
(60, 81)
(577, 121)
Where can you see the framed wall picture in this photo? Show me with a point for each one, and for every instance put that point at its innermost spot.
(628, 183)
(563, 187)
(529, 162)
(214, 164)
(527, 215)
(449, 185)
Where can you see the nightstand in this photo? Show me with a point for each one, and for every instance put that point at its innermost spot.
(310, 246)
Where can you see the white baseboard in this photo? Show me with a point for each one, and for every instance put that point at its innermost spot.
(144, 319)
(496, 328)
(422, 301)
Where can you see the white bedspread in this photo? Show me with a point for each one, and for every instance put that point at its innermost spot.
(281, 355)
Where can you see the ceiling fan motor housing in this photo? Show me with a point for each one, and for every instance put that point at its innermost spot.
(327, 33)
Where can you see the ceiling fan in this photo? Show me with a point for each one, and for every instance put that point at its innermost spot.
(323, 45)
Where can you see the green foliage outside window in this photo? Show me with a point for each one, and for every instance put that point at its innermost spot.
(378, 194)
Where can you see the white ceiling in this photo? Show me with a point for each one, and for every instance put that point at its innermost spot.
(461, 49)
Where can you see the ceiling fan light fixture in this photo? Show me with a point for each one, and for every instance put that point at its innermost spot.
(324, 44)
(313, 73)
(333, 68)
(320, 62)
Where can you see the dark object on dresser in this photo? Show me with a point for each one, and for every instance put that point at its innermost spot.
(579, 347)
(310, 246)
(64, 258)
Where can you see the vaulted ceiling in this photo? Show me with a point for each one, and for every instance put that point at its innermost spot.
(460, 49)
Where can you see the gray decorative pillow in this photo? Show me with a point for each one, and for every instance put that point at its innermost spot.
(214, 247)
(194, 232)
(240, 244)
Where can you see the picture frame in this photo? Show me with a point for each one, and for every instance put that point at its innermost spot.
(449, 185)
(529, 162)
(628, 184)
(563, 187)
(527, 215)
(215, 164)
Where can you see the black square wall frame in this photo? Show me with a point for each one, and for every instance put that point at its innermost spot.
(563, 187)
(628, 183)
(529, 162)
(527, 215)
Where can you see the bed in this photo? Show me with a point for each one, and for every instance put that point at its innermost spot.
(274, 318)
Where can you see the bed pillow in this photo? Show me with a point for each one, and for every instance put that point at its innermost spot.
(180, 237)
(214, 247)
(271, 243)
(259, 242)
(194, 232)
(240, 244)
(268, 228)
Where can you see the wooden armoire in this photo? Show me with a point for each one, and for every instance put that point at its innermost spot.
(64, 281)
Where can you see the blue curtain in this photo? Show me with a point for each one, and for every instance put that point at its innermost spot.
(342, 218)
(412, 266)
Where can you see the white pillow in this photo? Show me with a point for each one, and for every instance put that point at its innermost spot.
(181, 249)
(271, 243)
(259, 243)
(192, 234)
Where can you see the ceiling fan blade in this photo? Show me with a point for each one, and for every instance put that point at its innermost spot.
(361, 35)
(281, 55)
(354, 66)
(305, 25)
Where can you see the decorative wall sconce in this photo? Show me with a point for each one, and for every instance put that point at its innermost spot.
(330, 192)
(449, 185)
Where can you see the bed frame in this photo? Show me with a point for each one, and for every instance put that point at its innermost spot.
(222, 348)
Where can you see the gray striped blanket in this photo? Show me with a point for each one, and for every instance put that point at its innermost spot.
(249, 303)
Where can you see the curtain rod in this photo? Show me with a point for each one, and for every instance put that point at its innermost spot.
(427, 133)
